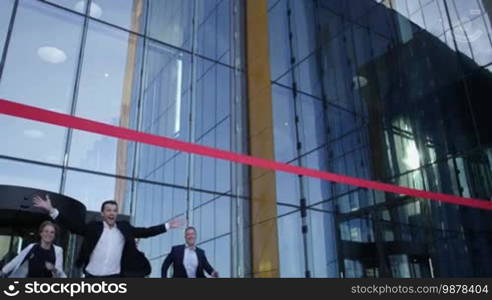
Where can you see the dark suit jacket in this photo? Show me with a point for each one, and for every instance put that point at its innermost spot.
(176, 256)
(133, 262)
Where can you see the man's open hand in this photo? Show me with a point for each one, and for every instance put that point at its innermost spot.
(177, 223)
(43, 203)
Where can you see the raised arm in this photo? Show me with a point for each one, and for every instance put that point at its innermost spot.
(58, 216)
(143, 232)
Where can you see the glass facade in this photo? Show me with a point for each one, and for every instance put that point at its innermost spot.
(172, 68)
(393, 91)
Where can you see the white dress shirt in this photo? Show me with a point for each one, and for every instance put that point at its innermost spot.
(190, 261)
(106, 256)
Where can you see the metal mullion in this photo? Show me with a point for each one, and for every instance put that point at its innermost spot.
(139, 34)
(191, 117)
(70, 254)
(138, 125)
(240, 211)
(460, 24)
(74, 98)
(8, 37)
(300, 159)
(73, 106)
(463, 80)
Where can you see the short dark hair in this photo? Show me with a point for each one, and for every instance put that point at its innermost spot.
(108, 202)
(190, 227)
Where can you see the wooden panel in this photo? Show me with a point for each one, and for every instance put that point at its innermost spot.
(264, 239)
(125, 114)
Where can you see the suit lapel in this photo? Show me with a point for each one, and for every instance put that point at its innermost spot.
(179, 267)
(98, 230)
(124, 228)
(198, 257)
(181, 253)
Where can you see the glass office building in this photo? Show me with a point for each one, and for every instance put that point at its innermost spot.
(168, 68)
(392, 91)
(395, 92)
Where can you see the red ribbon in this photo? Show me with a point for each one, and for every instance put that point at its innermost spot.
(47, 116)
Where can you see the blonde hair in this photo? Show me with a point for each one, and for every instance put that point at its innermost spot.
(48, 223)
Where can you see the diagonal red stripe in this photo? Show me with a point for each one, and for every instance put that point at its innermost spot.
(47, 116)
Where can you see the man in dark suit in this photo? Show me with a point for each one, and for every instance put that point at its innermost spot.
(188, 260)
(109, 248)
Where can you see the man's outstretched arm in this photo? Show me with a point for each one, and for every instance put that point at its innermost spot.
(143, 232)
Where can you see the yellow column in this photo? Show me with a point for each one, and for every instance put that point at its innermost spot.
(125, 114)
(264, 239)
